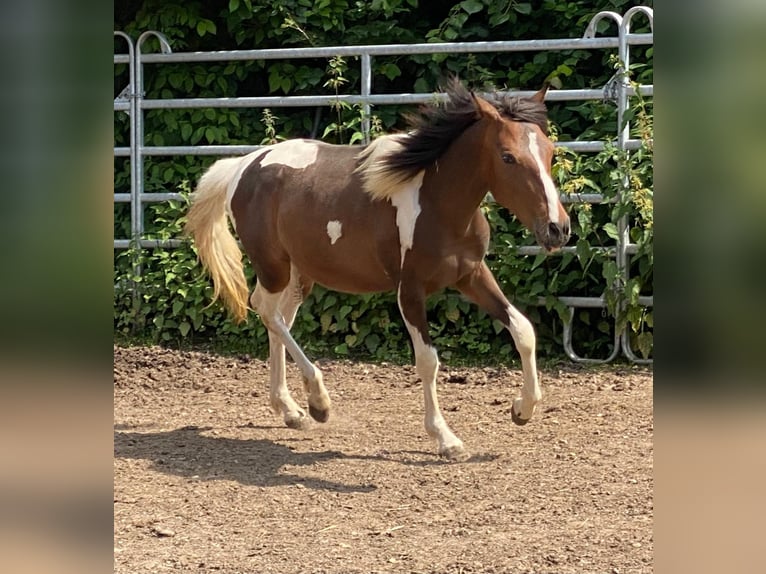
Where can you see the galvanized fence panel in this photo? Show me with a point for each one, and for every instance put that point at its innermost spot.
(132, 101)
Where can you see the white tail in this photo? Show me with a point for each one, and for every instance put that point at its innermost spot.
(216, 246)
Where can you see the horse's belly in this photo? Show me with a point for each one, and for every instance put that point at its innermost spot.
(354, 271)
(344, 255)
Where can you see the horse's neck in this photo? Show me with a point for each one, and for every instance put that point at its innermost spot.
(459, 178)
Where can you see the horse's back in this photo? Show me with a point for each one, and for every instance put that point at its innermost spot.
(301, 201)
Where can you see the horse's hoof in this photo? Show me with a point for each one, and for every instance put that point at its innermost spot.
(319, 415)
(297, 422)
(517, 419)
(456, 453)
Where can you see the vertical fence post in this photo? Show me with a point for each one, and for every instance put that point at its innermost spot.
(138, 203)
(137, 163)
(366, 90)
(135, 176)
(590, 32)
(624, 135)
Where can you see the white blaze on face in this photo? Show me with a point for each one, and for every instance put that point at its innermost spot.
(407, 204)
(551, 193)
(334, 231)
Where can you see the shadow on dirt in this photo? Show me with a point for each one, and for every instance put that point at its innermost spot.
(189, 453)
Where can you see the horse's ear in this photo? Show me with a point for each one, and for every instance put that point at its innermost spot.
(540, 95)
(484, 108)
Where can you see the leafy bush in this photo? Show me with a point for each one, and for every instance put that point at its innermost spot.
(169, 301)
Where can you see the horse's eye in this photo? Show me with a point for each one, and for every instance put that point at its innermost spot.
(508, 157)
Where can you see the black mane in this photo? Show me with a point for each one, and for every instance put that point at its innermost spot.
(524, 110)
(435, 127)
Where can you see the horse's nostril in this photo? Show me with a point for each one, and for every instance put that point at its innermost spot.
(554, 230)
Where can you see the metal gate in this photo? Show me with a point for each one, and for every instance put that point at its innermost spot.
(132, 101)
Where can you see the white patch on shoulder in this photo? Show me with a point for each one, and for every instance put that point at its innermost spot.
(551, 193)
(407, 204)
(297, 154)
(334, 231)
(379, 181)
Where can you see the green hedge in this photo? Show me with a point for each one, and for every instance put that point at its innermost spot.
(173, 294)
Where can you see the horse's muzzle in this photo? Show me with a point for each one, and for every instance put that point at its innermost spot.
(552, 236)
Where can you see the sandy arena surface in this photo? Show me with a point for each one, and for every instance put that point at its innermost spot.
(208, 479)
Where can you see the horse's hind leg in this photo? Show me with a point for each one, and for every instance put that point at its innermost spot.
(282, 401)
(277, 311)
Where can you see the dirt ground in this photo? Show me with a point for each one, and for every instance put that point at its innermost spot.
(207, 478)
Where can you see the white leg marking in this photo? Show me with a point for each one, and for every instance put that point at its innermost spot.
(524, 336)
(427, 366)
(407, 204)
(297, 154)
(551, 193)
(334, 231)
(281, 400)
(268, 307)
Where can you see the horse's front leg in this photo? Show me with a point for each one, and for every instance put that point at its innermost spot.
(412, 306)
(481, 287)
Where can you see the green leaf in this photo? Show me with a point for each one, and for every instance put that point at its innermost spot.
(645, 343)
(421, 86)
(341, 349)
(539, 258)
(184, 328)
(523, 8)
(611, 230)
(449, 34)
(325, 321)
(372, 342)
(472, 6)
(344, 311)
(610, 272)
(390, 71)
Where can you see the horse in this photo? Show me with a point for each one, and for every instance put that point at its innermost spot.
(400, 214)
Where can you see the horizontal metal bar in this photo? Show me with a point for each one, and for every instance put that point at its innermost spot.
(596, 146)
(584, 198)
(122, 198)
(630, 249)
(149, 243)
(121, 58)
(200, 150)
(351, 99)
(399, 49)
(121, 106)
(160, 196)
(592, 302)
(579, 146)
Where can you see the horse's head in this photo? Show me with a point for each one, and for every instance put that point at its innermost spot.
(518, 166)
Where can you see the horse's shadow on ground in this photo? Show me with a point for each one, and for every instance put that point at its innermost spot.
(190, 453)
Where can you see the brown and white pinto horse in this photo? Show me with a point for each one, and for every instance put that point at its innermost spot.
(400, 215)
